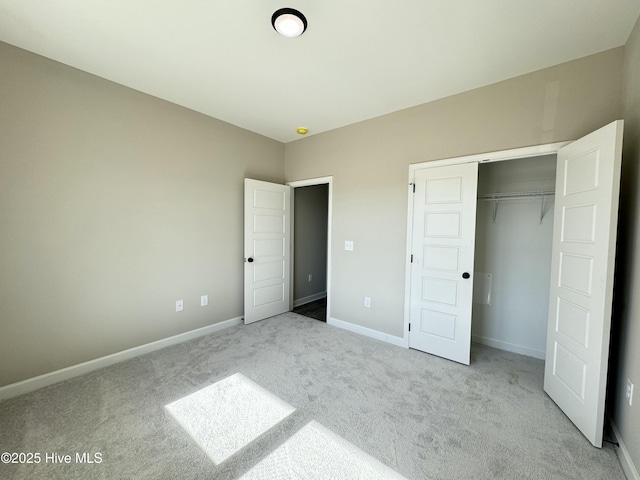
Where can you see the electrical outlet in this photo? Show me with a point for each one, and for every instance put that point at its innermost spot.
(179, 305)
(204, 300)
(629, 392)
(348, 245)
(310, 277)
(367, 302)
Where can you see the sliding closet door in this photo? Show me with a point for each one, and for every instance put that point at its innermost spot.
(581, 291)
(443, 249)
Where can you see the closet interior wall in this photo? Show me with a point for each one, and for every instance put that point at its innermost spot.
(513, 255)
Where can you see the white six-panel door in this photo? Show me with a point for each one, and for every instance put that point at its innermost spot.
(267, 243)
(443, 251)
(581, 291)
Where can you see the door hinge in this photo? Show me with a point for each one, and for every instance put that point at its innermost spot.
(409, 327)
(413, 187)
(412, 258)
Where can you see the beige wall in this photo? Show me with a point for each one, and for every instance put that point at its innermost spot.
(369, 162)
(114, 204)
(625, 344)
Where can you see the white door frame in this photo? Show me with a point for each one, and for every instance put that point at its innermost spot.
(499, 156)
(308, 183)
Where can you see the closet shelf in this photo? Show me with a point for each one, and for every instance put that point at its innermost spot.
(513, 195)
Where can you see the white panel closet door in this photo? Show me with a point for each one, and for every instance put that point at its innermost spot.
(443, 250)
(267, 243)
(581, 291)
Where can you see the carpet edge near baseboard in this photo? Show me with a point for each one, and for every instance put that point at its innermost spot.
(624, 456)
(369, 332)
(44, 380)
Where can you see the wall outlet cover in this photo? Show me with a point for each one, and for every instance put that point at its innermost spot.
(179, 305)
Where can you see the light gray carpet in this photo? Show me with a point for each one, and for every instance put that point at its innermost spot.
(421, 416)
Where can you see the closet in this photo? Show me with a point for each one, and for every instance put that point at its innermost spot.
(514, 232)
(527, 241)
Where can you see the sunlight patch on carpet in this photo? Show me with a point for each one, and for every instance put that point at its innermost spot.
(228, 415)
(316, 453)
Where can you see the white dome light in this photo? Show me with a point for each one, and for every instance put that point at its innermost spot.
(289, 22)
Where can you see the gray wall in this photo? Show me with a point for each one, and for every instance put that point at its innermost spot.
(114, 204)
(310, 241)
(369, 162)
(625, 345)
(516, 251)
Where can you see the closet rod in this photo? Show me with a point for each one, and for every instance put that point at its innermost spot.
(507, 196)
(512, 195)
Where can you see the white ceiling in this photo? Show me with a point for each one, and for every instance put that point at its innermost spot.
(357, 59)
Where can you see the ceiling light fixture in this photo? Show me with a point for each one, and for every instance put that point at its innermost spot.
(288, 22)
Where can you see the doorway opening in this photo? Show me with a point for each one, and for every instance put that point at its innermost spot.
(311, 214)
(514, 233)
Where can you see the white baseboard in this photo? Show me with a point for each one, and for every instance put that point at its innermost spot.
(31, 384)
(369, 332)
(628, 467)
(509, 347)
(309, 299)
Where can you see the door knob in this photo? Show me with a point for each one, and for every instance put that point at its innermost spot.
(465, 275)
(250, 259)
